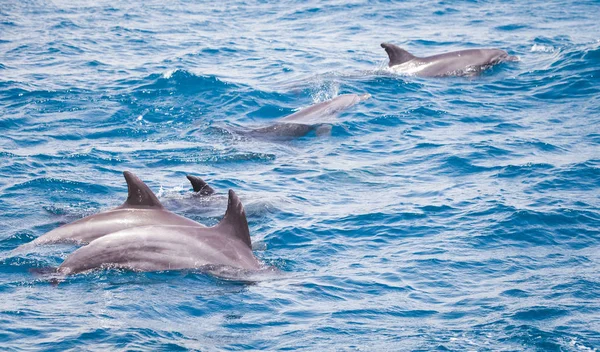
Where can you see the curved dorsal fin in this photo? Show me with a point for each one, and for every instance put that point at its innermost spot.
(397, 54)
(200, 187)
(139, 195)
(234, 222)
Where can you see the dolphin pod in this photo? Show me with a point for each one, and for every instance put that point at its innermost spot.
(171, 247)
(141, 235)
(455, 63)
(141, 208)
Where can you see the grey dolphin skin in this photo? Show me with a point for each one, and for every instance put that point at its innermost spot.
(308, 119)
(171, 247)
(456, 63)
(141, 208)
(201, 188)
(316, 112)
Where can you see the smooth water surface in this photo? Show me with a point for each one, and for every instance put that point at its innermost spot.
(441, 214)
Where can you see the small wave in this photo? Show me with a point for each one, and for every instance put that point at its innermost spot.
(457, 165)
(17, 238)
(583, 176)
(572, 73)
(48, 184)
(65, 24)
(320, 87)
(542, 48)
(96, 63)
(513, 27)
(168, 74)
(219, 158)
(239, 157)
(525, 227)
(526, 170)
(592, 54)
(181, 81)
(539, 313)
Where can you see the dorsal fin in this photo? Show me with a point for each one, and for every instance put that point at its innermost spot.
(200, 187)
(234, 222)
(397, 54)
(139, 194)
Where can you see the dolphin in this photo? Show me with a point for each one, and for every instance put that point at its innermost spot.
(308, 119)
(455, 63)
(201, 188)
(201, 199)
(140, 209)
(171, 247)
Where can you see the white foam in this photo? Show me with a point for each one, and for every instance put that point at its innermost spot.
(168, 74)
(324, 91)
(409, 68)
(574, 343)
(542, 48)
(161, 192)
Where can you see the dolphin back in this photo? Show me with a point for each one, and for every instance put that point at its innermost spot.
(396, 54)
(234, 222)
(200, 186)
(139, 195)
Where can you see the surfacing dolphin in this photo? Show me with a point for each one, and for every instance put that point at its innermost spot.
(312, 118)
(141, 208)
(201, 188)
(168, 247)
(455, 63)
(201, 200)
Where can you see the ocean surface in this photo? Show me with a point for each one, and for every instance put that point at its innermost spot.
(447, 214)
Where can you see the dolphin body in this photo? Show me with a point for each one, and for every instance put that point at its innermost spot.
(455, 63)
(141, 208)
(309, 119)
(171, 247)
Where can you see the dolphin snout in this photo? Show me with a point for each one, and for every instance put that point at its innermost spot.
(364, 96)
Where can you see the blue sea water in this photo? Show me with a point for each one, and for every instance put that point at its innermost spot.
(441, 214)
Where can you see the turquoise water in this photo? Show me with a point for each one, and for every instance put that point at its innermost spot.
(441, 214)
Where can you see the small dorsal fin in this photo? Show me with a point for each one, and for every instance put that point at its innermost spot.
(139, 194)
(397, 54)
(200, 187)
(234, 222)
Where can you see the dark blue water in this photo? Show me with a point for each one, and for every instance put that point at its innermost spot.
(441, 214)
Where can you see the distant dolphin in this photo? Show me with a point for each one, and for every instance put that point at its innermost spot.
(455, 63)
(141, 208)
(312, 118)
(201, 200)
(201, 188)
(164, 247)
